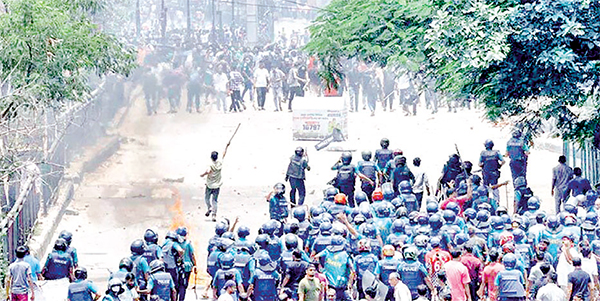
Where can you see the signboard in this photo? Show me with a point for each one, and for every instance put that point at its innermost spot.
(315, 118)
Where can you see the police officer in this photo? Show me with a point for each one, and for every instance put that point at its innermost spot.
(151, 251)
(264, 282)
(402, 173)
(338, 268)
(367, 171)
(189, 262)
(68, 237)
(141, 270)
(518, 151)
(383, 155)
(161, 284)
(296, 175)
(365, 261)
(278, 205)
(172, 256)
(82, 289)
(125, 267)
(245, 263)
(59, 263)
(413, 272)
(227, 272)
(346, 177)
(490, 161)
(510, 281)
(115, 290)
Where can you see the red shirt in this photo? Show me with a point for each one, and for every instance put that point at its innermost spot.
(473, 264)
(457, 275)
(459, 200)
(489, 275)
(435, 259)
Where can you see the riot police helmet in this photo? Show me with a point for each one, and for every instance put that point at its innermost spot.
(533, 203)
(60, 245)
(346, 158)
(156, 266)
(182, 231)
(366, 155)
(80, 273)
(489, 144)
(385, 142)
(299, 151)
(291, 242)
(220, 228)
(510, 261)
(226, 261)
(299, 213)
(67, 236)
(150, 236)
(126, 264)
(360, 197)
(470, 213)
(243, 231)
(137, 247)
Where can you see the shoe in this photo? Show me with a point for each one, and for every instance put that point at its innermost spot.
(214, 218)
(290, 111)
(207, 213)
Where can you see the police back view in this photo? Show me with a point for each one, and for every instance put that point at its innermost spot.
(383, 155)
(172, 255)
(151, 251)
(296, 175)
(82, 289)
(345, 179)
(518, 151)
(68, 237)
(59, 264)
(264, 282)
(490, 161)
(368, 171)
(160, 284)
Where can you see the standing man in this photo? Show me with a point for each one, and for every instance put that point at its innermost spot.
(578, 185)
(580, 283)
(367, 171)
(510, 282)
(518, 151)
(458, 277)
(561, 175)
(230, 289)
(401, 291)
(310, 288)
(261, 82)
(19, 278)
(296, 175)
(345, 179)
(213, 183)
(277, 80)
(421, 183)
(490, 161)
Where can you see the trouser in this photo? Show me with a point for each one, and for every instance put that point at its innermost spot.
(248, 88)
(183, 285)
(174, 96)
(372, 102)
(236, 97)
(348, 190)
(222, 101)
(173, 273)
(152, 98)
(419, 196)
(492, 179)
(518, 168)
(294, 90)
(19, 297)
(353, 91)
(368, 189)
(277, 96)
(297, 184)
(559, 196)
(193, 98)
(389, 99)
(473, 287)
(341, 294)
(211, 197)
(261, 96)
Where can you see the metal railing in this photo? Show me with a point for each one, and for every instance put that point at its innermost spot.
(586, 157)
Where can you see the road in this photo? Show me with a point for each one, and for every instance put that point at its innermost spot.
(115, 204)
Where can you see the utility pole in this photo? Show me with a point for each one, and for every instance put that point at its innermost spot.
(189, 18)
(138, 21)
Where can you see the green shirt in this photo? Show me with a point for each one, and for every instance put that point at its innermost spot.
(213, 179)
(310, 288)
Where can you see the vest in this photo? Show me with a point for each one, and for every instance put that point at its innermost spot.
(162, 288)
(365, 262)
(510, 285)
(138, 272)
(242, 264)
(265, 286)
(514, 147)
(321, 243)
(169, 255)
(411, 275)
(345, 176)
(387, 266)
(383, 156)
(151, 252)
(368, 169)
(58, 268)
(78, 291)
(490, 161)
(295, 168)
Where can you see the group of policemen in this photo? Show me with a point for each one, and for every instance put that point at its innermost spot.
(152, 272)
(361, 238)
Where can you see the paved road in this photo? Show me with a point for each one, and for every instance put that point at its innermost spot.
(128, 194)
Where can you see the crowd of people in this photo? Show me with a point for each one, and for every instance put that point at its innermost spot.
(381, 232)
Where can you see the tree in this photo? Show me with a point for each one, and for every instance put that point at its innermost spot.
(526, 61)
(49, 49)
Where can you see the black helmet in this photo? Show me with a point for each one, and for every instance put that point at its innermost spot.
(291, 242)
(366, 155)
(67, 236)
(346, 157)
(279, 188)
(21, 251)
(60, 245)
(385, 142)
(156, 265)
(126, 264)
(137, 247)
(516, 133)
(172, 235)
(220, 228)
(150, 236)
(299, 151)
(489, 144)
(80, 273)
(330, 193)
(243, 231)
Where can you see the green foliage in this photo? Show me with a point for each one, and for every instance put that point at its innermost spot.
(50, 48)
(526, 61)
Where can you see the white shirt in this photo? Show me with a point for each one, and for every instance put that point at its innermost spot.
(590, 266)
(401, 292)
(225, 297)
(420, 180)
(220, 81)
(551, 292)
(563, 268)
(261, 78)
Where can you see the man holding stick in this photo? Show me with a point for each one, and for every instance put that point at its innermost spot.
(214, 180)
